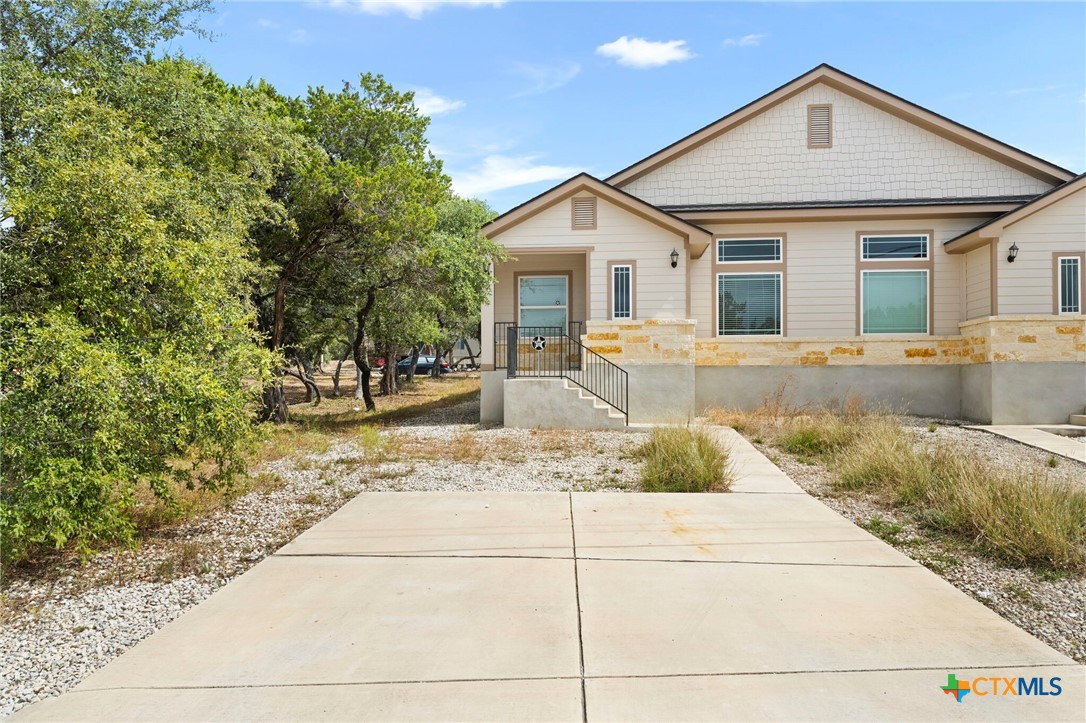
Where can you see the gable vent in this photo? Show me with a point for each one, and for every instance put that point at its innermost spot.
(819, 126)
(584, 213)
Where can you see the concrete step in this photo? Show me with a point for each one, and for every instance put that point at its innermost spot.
(1078, 419)
(607, 416)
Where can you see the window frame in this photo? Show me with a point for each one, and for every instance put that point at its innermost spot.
(925, 257)
(750, 267)
(1057, 281)
(567, 275)
(925, 264)
(780, 303)
(611, 266)
(927, 302)
(718, 245)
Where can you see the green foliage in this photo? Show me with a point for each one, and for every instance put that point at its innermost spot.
(683, 459)
(128, 331)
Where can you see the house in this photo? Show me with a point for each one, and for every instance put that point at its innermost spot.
(830, 239)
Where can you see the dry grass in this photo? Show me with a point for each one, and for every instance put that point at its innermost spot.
(1022, 517)
(683, 459)
(464, 447)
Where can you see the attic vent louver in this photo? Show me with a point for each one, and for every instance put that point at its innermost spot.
(819, 126)
(584, 213)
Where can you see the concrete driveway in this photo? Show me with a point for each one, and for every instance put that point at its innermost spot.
(762, 604)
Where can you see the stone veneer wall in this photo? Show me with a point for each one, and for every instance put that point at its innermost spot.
(650, 341)
(1032, 338)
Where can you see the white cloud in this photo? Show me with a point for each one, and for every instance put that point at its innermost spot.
(499, 172)
(413, 9)
(429, 103)
(641, 53)
(544, 78)
(744, 42)
(267, 24)
(299, 37)
(1034, 89)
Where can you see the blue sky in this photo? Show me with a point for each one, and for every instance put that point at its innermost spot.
(524, 94)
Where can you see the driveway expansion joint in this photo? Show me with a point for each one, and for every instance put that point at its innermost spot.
(577, 591)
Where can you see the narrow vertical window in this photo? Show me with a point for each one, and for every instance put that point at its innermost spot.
(622, 291)
(1069, 278)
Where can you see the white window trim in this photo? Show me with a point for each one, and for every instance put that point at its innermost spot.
(565, 306)
(780, 250)
(925, 257)
(614, 291)
(1059, 284)
(780, 303)
(927, 303)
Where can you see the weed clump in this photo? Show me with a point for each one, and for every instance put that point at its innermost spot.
(683, 459)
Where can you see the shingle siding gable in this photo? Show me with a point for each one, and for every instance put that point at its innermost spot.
(874, 155)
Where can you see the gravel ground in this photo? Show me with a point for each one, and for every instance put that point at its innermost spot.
(62, 624)
(1050, 607)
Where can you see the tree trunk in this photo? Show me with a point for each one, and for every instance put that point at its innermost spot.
(279, 310)
(275, 403)
(471, 354)
(391, 374)
(305, 370)
(339, 369)
(358, 349)
(312, 391)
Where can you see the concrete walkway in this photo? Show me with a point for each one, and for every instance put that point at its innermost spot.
(762, 604)
(1036, 436)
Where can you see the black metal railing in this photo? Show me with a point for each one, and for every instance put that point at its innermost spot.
(543, 351)
(501, 336)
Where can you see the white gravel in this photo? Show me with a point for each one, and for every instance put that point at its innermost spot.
(63, 623)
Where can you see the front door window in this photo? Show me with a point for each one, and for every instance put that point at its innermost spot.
(544, 301)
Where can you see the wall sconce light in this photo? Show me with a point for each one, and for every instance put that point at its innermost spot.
(1012, 253)
(674, 258)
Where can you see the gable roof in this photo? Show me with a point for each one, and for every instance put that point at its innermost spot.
(697, 237)
(881, 99)
(980, 235)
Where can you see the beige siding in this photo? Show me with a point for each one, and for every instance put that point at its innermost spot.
(1025, 287)
(619, 236)
(977, 282)
(820, 281)
(874, 155)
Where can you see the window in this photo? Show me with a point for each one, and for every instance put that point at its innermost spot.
(622, 291)
(737, 250)
(894, 302)
(544, 301)
(886, 248)
(894, 273)
(1069, 284)
(819, 126)
(748, 303)
(750, 286)
(584, 213)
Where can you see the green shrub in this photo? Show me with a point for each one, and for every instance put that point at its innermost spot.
(683, 459)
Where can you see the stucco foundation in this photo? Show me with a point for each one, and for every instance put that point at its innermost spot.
(661, 393)
(492, 397)
(932, 391)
